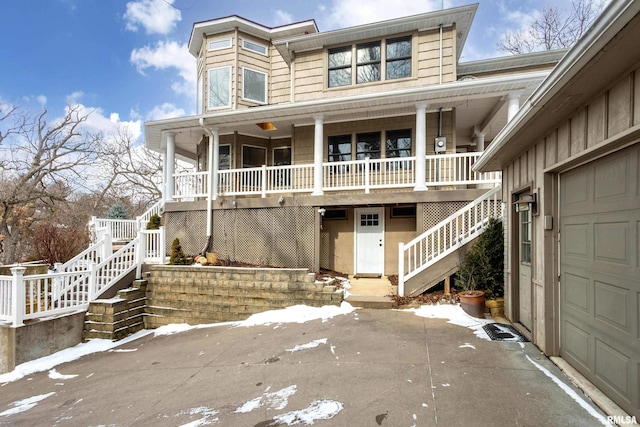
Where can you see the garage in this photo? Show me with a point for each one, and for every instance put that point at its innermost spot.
(600, 273)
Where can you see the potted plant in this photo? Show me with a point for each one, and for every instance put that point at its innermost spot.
(481, 274)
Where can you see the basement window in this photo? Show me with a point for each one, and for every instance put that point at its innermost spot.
(403, 212)
(335, 214)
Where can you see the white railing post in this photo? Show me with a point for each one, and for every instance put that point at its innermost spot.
(18, 297)
(263, 173)
(367, 177)
(162, 246)
(141, 253)
(93, 281)
(401, 269)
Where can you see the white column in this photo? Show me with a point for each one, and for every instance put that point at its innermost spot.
(480, 142)
(421, 146)
(164, 173)
(318, 154)
(170, 164)
(513, 104)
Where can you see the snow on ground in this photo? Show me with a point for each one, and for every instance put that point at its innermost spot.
(55, 375)
(312, 344)
(297, 314)
(583, 403)
(67, 355)
(272, 400)
(317, 410)
(455, 315)
(25, 404)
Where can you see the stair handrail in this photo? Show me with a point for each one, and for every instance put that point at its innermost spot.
(447, 236)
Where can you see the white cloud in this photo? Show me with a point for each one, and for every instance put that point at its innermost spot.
(283, 18)
(167, 55)
(155, 16)
(99, 122)
(347, 13)
(165, 111)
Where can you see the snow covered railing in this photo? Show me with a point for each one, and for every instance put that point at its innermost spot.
(447, 236)
(364, 175)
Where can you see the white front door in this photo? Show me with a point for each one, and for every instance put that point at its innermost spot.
(369, 240)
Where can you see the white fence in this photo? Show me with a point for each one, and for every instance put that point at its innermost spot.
(365, 175)
(447, 236)
(80, 280)
(119, 229)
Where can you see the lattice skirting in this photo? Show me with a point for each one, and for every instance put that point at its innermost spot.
(281, 237)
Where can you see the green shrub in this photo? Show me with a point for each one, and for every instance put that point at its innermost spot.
(154, 222)
(483, 266)
(177, 255)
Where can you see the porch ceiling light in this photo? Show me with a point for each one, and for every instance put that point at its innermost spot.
(526, 202)
(267, 126)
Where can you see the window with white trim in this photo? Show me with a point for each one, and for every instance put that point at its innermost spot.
(254, 47)
(254, 85)
(219, 44)
(373, 61)
(219, 88)
(224, 157)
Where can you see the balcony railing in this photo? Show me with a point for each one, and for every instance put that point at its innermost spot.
(364, 175)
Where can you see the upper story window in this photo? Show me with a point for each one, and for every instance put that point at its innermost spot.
(368, 62)
(398, 58)
(219, 44)
(374, 61)
(340, 66)
(254, 47)
(219, 88)
(254, 85)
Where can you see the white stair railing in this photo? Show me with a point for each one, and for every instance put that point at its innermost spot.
(447, 236)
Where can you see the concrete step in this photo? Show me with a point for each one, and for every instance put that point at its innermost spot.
(371, 301)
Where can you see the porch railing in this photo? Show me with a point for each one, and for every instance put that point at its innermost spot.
(364, 175)
(119, 229)
(447, 236)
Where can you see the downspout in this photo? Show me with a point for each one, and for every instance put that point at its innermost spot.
(292, 70)
(209, 244)
(440, 55)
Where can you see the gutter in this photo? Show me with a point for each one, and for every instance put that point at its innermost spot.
(209, 244)
(601, 32)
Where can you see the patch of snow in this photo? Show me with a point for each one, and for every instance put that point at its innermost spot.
(455, 315)
(307, 346)
(66, 355)
(297, 314)
(466, 345)
(273, 400)
(25, 404)
(209, 416)
(317, 410)
(586, 406)
(123, 350)
(55, 375)
(446, 385)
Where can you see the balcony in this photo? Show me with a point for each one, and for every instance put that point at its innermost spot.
(357, 175)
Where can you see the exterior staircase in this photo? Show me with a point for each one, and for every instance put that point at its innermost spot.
(437, 253)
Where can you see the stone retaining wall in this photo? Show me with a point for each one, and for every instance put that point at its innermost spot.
(198, 295)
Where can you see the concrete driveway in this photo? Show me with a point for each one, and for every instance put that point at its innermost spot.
(364, 368)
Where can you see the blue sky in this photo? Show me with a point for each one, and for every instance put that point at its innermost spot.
(127, 61)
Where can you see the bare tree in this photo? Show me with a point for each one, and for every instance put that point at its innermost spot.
(554, 28)
(42, 164)
(132, 174)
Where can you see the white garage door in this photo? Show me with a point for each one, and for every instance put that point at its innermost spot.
(600, 274)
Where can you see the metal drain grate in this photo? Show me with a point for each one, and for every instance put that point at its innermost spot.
(502, 332)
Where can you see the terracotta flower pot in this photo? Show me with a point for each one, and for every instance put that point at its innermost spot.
(472, 302)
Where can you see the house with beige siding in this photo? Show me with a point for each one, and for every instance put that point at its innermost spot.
(570, 164)
(340, 150)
